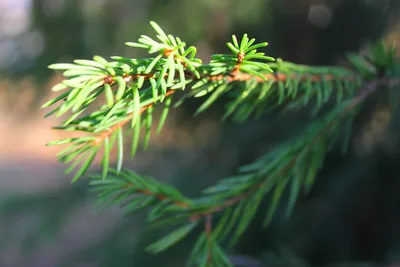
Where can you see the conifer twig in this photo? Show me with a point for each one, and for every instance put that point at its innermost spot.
(253, 86)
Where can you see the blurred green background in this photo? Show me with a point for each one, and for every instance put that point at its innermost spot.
(351, 216)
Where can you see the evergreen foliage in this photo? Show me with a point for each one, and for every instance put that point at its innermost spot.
(127, 90)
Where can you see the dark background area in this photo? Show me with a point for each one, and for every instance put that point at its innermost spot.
(352, 214)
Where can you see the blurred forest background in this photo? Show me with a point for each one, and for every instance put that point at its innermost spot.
(352, 216)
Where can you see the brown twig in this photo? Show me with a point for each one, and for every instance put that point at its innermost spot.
(100, 138)
(157, 195)
(237, 76)
(208, 231)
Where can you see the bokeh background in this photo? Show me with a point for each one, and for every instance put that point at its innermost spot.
(352, 216)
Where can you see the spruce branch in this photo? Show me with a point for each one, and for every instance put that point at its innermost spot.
(132, 88)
